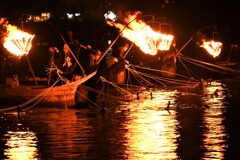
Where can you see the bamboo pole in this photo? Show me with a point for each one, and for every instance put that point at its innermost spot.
(31, 70)
(109, 47)
(179, 52)
(75, 58)
(30, 66)
(113, 42)
(128, 50)
(51, 66)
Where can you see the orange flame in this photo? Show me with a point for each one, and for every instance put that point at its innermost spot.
(143, 35)
(17, 41)
(213, 48)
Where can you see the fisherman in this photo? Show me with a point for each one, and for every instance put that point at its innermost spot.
(54, 61)
(94, 57)
(116, 65)
(88, 58)
(72, 42)
(168, 62)
(70, 68)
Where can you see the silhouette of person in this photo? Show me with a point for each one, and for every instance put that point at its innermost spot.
(116, 65)
(69, 65)
(72, 42)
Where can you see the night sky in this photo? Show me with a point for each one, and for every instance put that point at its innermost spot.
(185, 16)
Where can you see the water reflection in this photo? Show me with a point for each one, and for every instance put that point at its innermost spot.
(214, 137)
(21, 145)
(157, 124)
(152, 127)
(189, 117)
(62, 133)
(201, 117)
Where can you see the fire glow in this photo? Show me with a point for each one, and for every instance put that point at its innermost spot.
(17, 42)
(213, 48)
(143, 35)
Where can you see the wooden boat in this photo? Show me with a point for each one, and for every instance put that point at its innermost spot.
(68, 94)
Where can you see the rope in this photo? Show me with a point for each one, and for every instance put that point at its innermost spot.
(47, 90)
(212, 65)
(9, 108)
(103, 93)
(188, 70)
(198, 64)
(151, 69)
(121, 90)
(42, 94)
(157, 79)
(89, 100)
(137, 76)
(164, 79)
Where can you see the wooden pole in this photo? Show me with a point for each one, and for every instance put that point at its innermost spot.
(128, 50)
(179, 52)
(51, 66)
(75, 58)
(106, 51)
(31, 70)
(30, 66)
(113, 42)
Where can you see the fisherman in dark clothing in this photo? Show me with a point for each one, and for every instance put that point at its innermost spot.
(69, 66)
(72, 42)
(116, 65)
(89, 58)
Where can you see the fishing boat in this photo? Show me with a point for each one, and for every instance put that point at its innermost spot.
(21, 96)
(69, 94)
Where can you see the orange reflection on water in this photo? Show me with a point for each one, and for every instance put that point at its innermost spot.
(152, 129)
(215, 135)
(21, 145)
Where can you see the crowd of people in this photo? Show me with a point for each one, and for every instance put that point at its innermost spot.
(75, 60)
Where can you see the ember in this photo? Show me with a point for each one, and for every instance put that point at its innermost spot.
(148, 40)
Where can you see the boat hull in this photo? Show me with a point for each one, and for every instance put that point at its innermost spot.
(68, 94)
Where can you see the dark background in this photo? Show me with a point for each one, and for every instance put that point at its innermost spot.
(185, 16)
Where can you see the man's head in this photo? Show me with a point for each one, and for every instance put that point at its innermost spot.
(69, 33)
(66, 48)
(125, 47)
(97, 55)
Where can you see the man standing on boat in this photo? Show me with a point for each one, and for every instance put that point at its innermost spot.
(72, 42)
(116, 65)
(68, 66)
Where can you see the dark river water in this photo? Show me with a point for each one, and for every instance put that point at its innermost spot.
(172, 124)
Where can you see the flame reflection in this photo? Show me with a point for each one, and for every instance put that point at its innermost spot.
(151, 129)
(213, 118)
(21, 145)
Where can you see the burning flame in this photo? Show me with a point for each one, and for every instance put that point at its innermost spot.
(143, 35)
(213, 48)
(17, 41)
